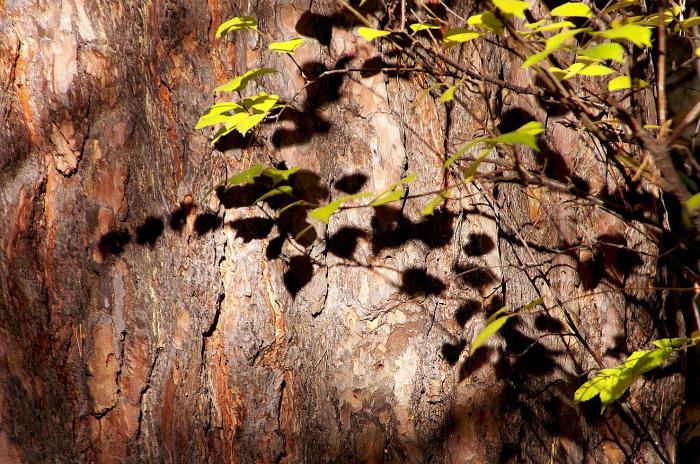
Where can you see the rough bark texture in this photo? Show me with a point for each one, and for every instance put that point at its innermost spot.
(137, 325)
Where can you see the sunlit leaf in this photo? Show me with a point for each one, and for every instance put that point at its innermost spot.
(595, 70)
(459, 35)
(556, 41)
(417, 27)
(394, 192)
(279, 175)
(638, 35)
(697, 52)
(572, 9)
(221, 115)
(619, 5)
(470, 172)
(370, 34)
(512, 7)
(605, 51)
(245, 177)
(239, 82)
(653, 19)
(610, 384)
(236, 24)
(324, 213)
(550, 27)
(626, 82)
(289, 46)
(691, 22)
(524, 135)
(493, 325)
(448, 95)
(281, 190)
(536, 58)
(488, 21)
(461, 152)
(435, 202)
(693, 203)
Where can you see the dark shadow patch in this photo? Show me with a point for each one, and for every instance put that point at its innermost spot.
(478, 244)
(113, 242)
(451, 351)
(240, 195)
(307, 186)
(344, 242)
(206, 222)
(547, 323)
(466, 311)
(474, 276)
(513, 119)
(299, 273)
(436, 230)
(149, 231)
(351, 183)
(475, 361)
(416, 281)
(315, 26)
(255, 228)
(274, 248)
(235, 140)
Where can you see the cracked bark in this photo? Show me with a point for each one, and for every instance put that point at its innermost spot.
(216, 359)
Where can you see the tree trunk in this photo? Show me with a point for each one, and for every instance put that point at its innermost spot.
(140, 324)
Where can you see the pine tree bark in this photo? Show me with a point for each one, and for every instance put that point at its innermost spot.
(140, 324)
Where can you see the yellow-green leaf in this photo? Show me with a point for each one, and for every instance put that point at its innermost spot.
(470, 172)
(524, 135)
(697, 52)
(512, 7)
(693, 203)
(493, 325)
(435, 202)
(289, 46)
(572, 9)
(595, 70)
(245, 177)
(638, 35)
(370, 34)
(557, 40)
(605, 51)
(549, 27)
(691, 22)
(281, 190)
(220, 113)
(239, 82)
(618, 5)
(459, 35)
(536, 58)
(417, 27)
(394, 192)
(236, 24)
(279, 175)
(462, 151)
(626, 82)
(488, 21)
(324, 213)
(448, 95)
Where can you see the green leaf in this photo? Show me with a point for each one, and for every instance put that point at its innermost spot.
(245, 177)
(260, 102)
(370, 34)
(697, 52)
(493, 325)
(548, 27)
(488, 21)
(552, 44)
(236, 24)
(605, 51)
(281, 190)
(619, 5)
(324, 213)
(289, 46)
(690, 22)
(239, 83)
(448, 95)
(536, 58)
(626, 82)
(435, 202)
(470, 172)
(524, 135)
(693, 203)
(220, 115)
(638, 35)
(512, 7)
(279, 175)
(462, 151)
(587, 69)
(572, 9)
(394, 192)
(459, 35)
(417, 27)
(290, 206)
(610, 384)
